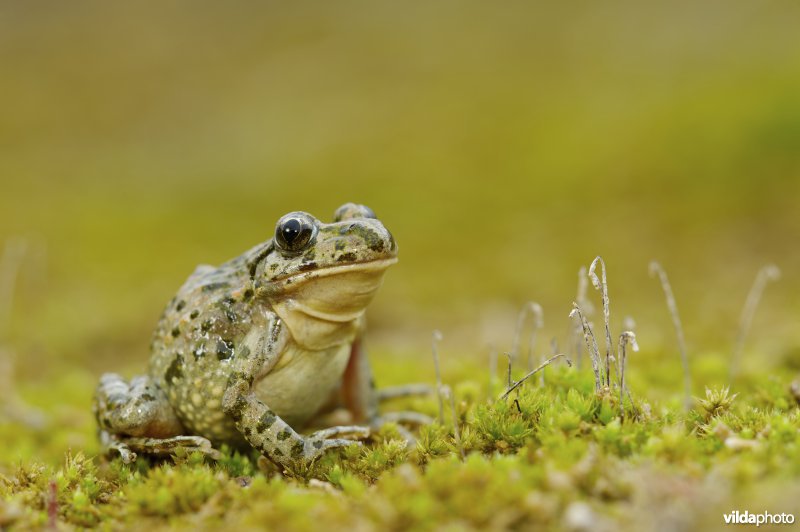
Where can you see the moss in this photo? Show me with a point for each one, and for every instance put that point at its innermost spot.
(528, 460)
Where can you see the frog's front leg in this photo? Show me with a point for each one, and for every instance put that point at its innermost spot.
(259, 424)
(136, 417)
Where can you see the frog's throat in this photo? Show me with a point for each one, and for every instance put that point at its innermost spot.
(324, 308)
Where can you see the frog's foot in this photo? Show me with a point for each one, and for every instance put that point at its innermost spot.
(112, 444)
(404, 417)
(401, 419)
(406, 390)
(317, 443)
(128, 447)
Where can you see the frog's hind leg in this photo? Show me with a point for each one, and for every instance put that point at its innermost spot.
(136, 417)
(361, 397)
(128, 447)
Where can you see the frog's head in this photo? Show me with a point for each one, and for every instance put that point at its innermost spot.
(320, 277)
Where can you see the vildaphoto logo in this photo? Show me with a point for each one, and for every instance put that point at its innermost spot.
(764, 518)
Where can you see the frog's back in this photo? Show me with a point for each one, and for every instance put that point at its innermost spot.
(195, 341)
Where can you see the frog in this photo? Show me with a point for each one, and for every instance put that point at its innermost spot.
(250, 352)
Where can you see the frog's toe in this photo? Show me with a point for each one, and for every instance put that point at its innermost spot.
(405, 417)
(317, 443)
(406, 390)
(112, 444)
(314, 448)
(401, 419)
(354, 431)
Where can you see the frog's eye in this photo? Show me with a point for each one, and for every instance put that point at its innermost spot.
(294, 232)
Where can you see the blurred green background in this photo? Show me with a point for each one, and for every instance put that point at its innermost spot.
(504, 144)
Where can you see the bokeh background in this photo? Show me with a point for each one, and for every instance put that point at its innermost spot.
(505, 146)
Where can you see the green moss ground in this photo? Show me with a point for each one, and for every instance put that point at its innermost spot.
(558, 455)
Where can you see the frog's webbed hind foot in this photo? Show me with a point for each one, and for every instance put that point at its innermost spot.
(113, 444)
(401, 419)
(128, 447)
(404, 417)
(406, 390)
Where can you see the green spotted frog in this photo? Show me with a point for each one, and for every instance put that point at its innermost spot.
(249, 352)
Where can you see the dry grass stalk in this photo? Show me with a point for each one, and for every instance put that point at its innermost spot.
(13, 253)
(588, 309)
(492, 369)
(591, 345)
(436, 338)
(530, 374)
(602, 286)
(531, 308)
(770, 272)
(657, 269)
(510, 359)
(627, 337)
(448, 392)
(553, 351)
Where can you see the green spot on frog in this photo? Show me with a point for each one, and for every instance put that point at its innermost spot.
(175, 369)
(212, 287)
(200, 351)
(297, 449)
(224, 349)
(266, 422)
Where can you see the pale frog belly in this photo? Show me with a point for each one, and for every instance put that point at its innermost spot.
(302, 382)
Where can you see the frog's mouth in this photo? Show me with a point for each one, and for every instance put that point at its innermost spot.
(322, 307)
(293, 280)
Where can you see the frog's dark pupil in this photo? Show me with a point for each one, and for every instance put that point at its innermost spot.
(291, 230)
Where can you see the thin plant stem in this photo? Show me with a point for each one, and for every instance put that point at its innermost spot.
(13, 254)
(436, 338)
(533, 309)
(508, 355)
(602, 286)
(530, 374)
(657, 269)
(448, 392)
(553, 351)
(624, 339)
(770, 272)
(492, 369)
(591, 344)
(583, 288)
(588, 309)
